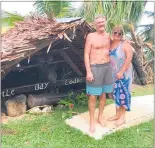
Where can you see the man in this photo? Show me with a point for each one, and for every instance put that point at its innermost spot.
(98, 70)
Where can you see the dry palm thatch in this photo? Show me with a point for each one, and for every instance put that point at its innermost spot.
(31, 35)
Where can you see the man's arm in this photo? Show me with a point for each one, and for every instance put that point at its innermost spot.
(87, 53)
(110, 40)
(88, 45)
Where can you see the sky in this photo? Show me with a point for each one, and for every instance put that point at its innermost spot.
(25, 8)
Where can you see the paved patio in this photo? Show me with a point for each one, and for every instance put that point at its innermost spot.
(142, 109)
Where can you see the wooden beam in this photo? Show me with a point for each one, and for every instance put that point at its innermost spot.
(70, 62)
(39, 86)
(35, 65)
(75, 50)
(8, 68)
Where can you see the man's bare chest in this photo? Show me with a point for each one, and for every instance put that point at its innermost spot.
(100, 42)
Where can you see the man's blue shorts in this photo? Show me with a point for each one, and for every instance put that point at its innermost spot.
(103, 81)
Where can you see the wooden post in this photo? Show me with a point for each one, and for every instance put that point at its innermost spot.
(70, 62)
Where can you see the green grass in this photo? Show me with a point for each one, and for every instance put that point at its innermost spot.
(143, 90)
(50, 131)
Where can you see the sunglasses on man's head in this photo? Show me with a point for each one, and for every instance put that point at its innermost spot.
(117, 33)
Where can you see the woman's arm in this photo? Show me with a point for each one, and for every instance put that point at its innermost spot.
(129, 53)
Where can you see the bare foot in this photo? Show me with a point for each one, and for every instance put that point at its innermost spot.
(101, 121)
(92, 128)
(113, 118)
(120, 122)
(110, 95)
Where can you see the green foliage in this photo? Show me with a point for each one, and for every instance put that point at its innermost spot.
(52, 9)
(76, 99)
(81, 99)
(9, 19)
(147, 30)
(67, 101)
(50, 131)
(117, 12)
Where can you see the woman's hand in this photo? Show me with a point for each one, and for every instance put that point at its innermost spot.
(119, 75)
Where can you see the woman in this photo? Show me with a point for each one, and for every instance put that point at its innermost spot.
(121, 56)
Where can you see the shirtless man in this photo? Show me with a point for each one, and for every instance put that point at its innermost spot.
(98, 70)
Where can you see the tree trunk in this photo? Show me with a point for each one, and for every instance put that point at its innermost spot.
(141, 73)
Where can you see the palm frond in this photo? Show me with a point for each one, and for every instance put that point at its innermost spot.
(117, 12)
(57, 8)
(149, 13)
(9, 19)
(146, 31)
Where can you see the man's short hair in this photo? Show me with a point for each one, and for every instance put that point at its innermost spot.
(99, 16)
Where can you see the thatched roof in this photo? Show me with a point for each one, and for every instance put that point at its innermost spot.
(33, 34)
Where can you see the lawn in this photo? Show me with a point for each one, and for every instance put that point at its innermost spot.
(50, 131)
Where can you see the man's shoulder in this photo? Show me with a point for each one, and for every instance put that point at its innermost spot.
(107, 34)
(91, 34)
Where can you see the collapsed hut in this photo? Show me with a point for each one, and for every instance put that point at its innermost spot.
(43, 57)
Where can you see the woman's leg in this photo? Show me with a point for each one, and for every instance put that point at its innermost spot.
(117, 116)
(121, 120)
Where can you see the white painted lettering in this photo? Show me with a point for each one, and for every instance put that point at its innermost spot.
(37, 87)
(42, 86)
(46, 84)
(12, 92)
(3, 95)
(8, 93)
(66, 82)
(74, 81)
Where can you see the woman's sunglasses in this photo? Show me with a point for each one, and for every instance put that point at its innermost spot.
(117, 33)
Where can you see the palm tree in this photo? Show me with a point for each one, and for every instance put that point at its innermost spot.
(57, 8)
(147, 30)
(117, 12)
(8, 20)
(53, 9)
(144, 39)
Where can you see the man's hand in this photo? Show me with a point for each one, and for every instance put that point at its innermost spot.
(89, 77)
(119, 75)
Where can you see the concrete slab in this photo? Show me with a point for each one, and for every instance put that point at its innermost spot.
(142, 109)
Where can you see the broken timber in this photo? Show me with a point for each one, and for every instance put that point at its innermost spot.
(40, 86)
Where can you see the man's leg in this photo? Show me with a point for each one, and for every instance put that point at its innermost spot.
(102, 102)
(91, 106)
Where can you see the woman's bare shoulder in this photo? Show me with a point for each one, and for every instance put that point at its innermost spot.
(127, 47)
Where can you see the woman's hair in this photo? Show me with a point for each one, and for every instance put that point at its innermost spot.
(120, 28)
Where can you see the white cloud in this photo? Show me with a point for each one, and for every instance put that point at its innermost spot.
(76, 4)
(149, 6)
(22, 8)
